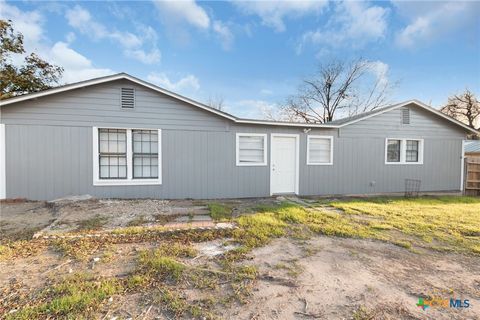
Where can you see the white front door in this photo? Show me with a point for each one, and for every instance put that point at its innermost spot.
(284, 163)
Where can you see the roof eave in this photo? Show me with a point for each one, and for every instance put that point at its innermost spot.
(420, 104)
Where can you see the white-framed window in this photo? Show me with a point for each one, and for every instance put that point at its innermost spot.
(124, 156)
(403, 151)
(319, 150)
(251, 149)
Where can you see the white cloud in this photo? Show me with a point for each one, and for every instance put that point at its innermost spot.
(186, 10)
(70, 37)
(380, 70)
(224, 33)
(27, 23)
(150, 57)
(81, 19)
(253, 109)
(176, 14)
(431, 20)
(273, 13)
(352, 24)
(76, 66)
(188, 83)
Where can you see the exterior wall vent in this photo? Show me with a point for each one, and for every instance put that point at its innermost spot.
(405, 116)
(128, 98)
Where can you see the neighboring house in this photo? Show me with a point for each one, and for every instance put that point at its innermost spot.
(121, 137)
(472, 149)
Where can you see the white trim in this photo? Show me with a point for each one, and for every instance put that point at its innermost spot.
(403, 151)
(130, 181)
(237, 149)
(121, 76)
(114, 77)
(462, 166)
(286, 124)
(417, 103)
(3, 176)
(297, 159)
(308, 151)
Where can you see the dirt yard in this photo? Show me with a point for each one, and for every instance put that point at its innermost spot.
(23, 219)
(326, 259)
(334, 278)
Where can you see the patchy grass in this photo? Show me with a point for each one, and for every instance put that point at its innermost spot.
(137, 221)
(180, 306)
(80, 249)
(21, 248)
(292, 267)
(161, 262)
(186, 287)
(220, 211)
(160, 267)
(24, 234)
(434, 222)
(445, 223)
(75, 297)
(138, 230)
(93, 223)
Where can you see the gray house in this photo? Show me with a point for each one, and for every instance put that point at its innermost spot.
(121, 137)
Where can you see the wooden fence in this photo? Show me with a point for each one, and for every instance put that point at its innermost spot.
(472, 176)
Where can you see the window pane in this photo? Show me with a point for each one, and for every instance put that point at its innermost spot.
(103, 171)
(154, 147)
(113, 171)
(145, 146)
(145, 154)
(251, 149)
(103, 146)
(137, 171)
(412, 151)
(112, 153)
(122, 171)
(146, 171)
(393, 151)
(154, 172)
(319, 150)
(137, 146)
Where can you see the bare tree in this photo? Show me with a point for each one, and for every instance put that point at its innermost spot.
(216, 102)
(464, 108)
(339, 87)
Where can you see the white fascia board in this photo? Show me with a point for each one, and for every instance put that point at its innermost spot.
(121, 76)
(419, 104)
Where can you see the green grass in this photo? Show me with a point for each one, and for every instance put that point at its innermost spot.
(162, 262)
(73, 298)
(449, 222)
(440, 223)
(220, 211)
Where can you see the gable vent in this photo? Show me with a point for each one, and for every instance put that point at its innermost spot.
(405, 116)
(128, 98)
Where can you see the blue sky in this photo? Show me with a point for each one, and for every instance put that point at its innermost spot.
(254, 54)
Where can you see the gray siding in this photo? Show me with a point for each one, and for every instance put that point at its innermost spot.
(100, 105)
(388, 124)
(359, 157)
(49, 150)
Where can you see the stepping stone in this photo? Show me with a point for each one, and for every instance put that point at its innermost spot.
(182, 219)
(201, 217)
